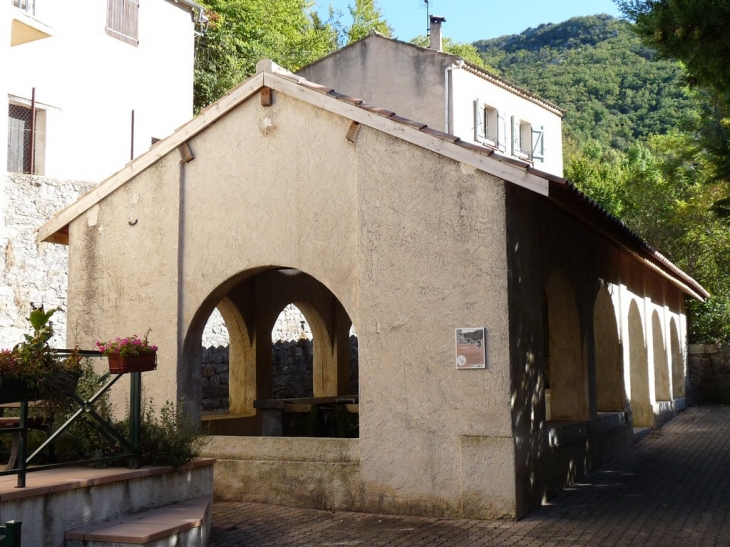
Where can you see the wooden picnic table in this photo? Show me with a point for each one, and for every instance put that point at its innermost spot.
(273, 410)
(41, 423)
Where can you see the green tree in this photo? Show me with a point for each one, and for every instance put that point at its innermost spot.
(241, 32)
(366, 16)
(697, 33)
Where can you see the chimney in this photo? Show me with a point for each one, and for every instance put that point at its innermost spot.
(435, 32)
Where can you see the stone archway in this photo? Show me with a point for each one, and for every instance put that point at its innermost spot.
(641, 407)
(610, 393)
(661, 366)
(678, 388)
(250, 309)
(568, 378)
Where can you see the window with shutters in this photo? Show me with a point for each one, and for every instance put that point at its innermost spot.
(122, 20)
(489, 126)
(528, 142)
(26, 141)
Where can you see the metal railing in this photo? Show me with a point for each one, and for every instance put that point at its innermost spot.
(130, 446)
(28, 6)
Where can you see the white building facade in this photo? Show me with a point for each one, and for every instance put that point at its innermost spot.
(87, 86)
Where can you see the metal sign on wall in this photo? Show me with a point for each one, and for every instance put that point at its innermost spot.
(471, 348)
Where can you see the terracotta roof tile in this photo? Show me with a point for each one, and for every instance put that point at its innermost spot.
(512, 161)
(406, 121)
(440, 134)
(377, 110)
(316, 87)
(349, 99)
(476, 147)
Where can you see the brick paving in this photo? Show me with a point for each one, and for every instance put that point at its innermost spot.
(668, 489)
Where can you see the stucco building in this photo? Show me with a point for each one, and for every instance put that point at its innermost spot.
(361, 216)
(447, 93)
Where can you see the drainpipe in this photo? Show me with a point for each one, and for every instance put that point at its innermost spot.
(447, 93)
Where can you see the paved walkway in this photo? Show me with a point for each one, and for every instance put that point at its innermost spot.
(668, 489)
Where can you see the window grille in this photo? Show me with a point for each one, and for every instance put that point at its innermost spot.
(122, 20)
(20, 138)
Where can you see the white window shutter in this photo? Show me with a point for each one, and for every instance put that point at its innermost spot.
(515, 136)
(502, 131)
(538, 144)
(478, 121)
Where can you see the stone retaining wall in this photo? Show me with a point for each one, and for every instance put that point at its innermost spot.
(32, 272)
(292, 371)
(708, 371)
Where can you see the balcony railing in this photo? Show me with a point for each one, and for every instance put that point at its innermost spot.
(28, 6)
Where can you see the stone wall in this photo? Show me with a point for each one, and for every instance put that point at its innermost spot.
(292, 371)
(32, 272)
(708, 372)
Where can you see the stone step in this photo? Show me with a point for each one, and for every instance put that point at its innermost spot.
(181, 525)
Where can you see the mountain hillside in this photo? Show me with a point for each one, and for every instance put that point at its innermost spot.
(613, 88)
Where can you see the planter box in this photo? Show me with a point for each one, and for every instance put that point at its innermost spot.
(121, 364)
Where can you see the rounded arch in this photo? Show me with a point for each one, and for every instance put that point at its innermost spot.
(638, 363)
(250, 306)
(567, 369)
(677, 361)
(661, 366)
(608, 357)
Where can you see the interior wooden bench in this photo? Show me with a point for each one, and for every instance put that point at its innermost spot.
(273, 409)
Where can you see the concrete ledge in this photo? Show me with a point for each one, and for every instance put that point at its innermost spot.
(560, 433)
(172, 524)
(606, 421)
(299, 449)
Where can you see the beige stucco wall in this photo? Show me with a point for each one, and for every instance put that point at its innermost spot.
(412, 244)
(406, 79)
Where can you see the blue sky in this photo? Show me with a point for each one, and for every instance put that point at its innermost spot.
(471, 20)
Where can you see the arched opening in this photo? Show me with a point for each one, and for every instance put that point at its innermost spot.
(215, 364)
(640, 401)
(661, 367)
(260, 392)
(609, 363)
(677, 361)
(563, 363)
(293, 352)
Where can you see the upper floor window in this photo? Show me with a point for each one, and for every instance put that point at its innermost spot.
(122, 20)
(489, 126)
(528, 141)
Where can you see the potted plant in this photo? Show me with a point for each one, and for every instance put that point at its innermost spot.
(32, 370)
(130, 354)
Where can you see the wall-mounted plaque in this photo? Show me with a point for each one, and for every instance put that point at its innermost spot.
(471, 348)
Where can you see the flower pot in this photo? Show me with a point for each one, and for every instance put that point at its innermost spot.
(121, 364)
(15, 390)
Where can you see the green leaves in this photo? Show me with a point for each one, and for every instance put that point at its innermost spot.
(242, 32)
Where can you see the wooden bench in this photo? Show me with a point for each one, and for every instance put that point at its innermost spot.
(272, 410)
